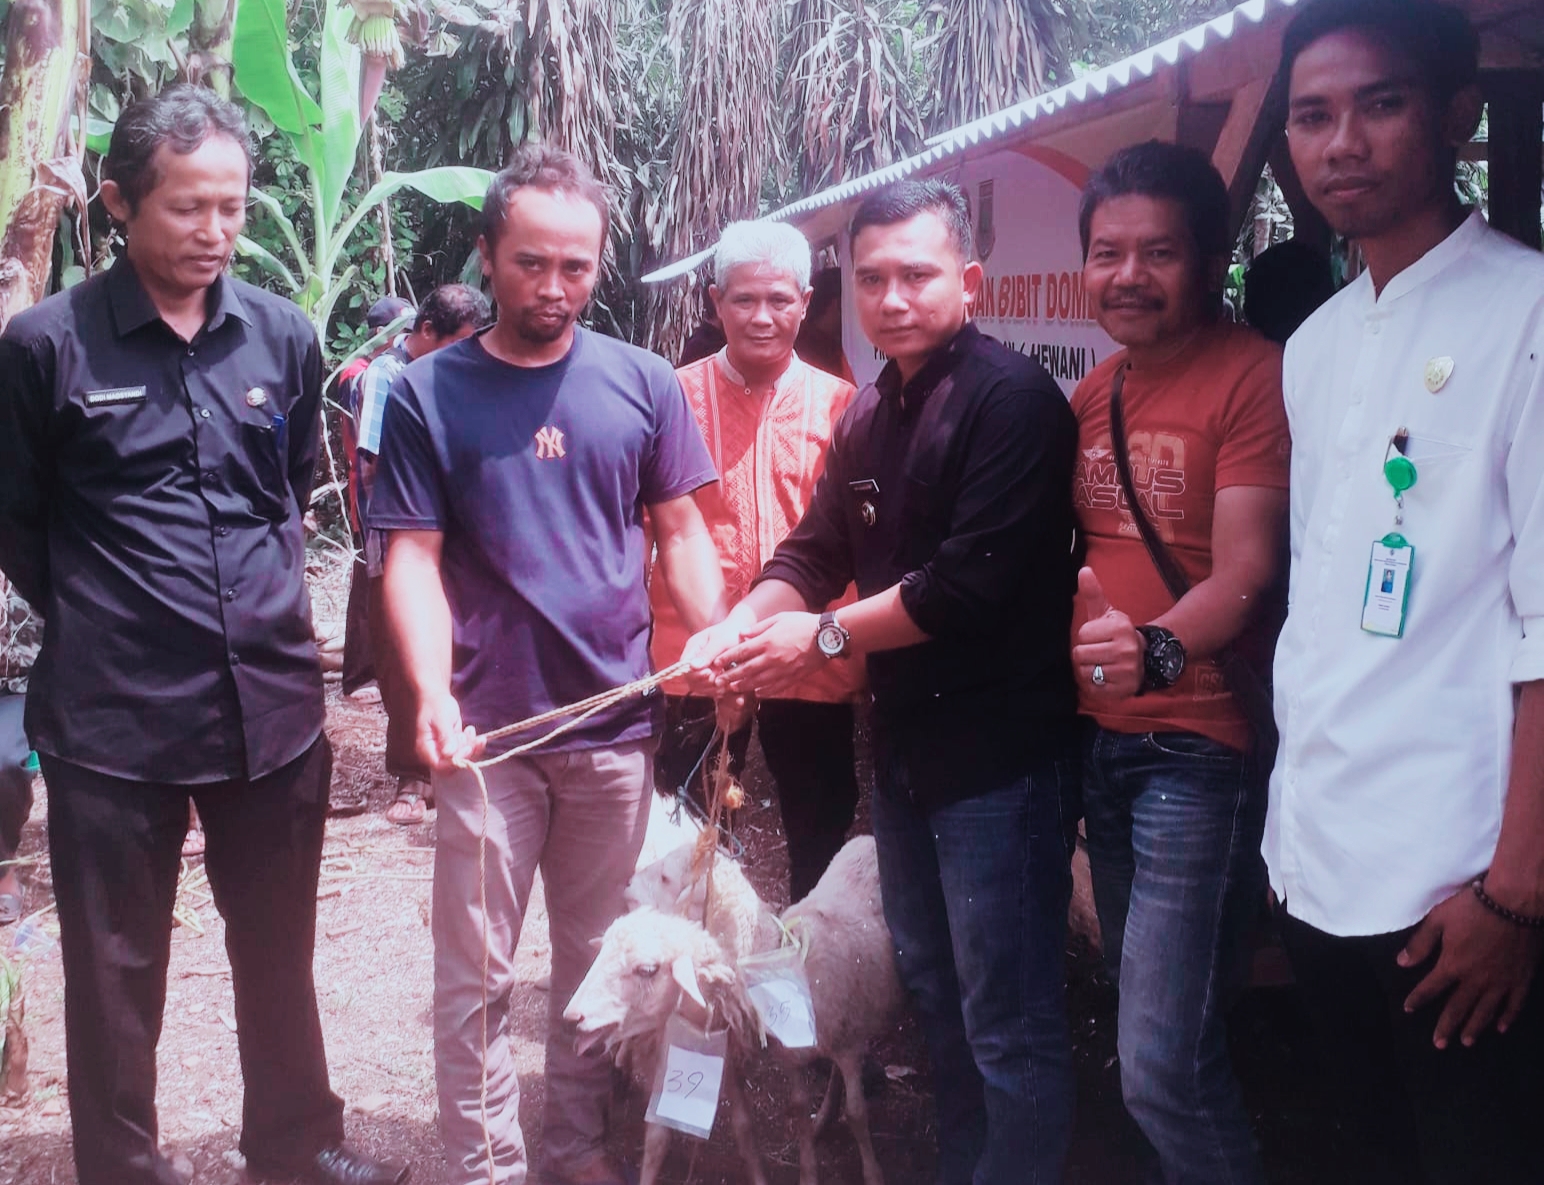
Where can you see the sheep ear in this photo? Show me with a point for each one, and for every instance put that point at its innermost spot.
(692, 898)
(686, 975)
(597, 943)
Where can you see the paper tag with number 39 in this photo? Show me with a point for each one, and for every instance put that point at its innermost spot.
(689, 1078)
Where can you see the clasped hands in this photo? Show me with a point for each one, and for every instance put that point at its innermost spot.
(737, 660)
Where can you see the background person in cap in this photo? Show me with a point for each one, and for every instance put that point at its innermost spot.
(158, 439)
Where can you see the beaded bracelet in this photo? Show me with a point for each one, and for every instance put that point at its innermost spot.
(1535, 922)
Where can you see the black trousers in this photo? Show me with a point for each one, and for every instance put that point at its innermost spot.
(15, 781)
(809, 752)
(1417, 1114)
(358, 655)
(115, 846)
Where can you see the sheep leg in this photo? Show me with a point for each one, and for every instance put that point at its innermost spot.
(799, 1112)
(851, 1066)
(656, 1142)
(828, 1103)
(744, 1128)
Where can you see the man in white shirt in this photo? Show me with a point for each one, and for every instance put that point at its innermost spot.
(1405, 837)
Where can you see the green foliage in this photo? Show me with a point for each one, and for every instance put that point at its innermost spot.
(140, 39)
(315, 229)
(1105, 31)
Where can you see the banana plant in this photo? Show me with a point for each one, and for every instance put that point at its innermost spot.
(325, 130)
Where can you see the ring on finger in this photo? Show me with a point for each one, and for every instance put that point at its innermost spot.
(1098, 675)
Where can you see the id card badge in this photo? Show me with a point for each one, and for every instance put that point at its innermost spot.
(1388, 587)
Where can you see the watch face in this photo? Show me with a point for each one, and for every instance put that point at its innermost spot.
(830, 639)
(1171, 661)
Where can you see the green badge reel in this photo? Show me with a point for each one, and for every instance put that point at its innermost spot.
(1400, 472)
(1387, 597)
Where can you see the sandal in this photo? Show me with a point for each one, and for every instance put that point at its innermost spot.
(410, 805)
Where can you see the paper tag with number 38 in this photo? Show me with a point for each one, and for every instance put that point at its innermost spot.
(689, 1078)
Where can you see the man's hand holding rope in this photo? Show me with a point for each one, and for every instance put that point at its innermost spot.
(442, 741)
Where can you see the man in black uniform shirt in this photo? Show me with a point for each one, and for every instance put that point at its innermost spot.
(158, 434)
(947, 497)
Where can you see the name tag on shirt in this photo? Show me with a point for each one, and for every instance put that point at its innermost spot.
(115, 395)
(1388, 588)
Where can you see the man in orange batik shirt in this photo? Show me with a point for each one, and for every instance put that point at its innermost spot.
(767, 418)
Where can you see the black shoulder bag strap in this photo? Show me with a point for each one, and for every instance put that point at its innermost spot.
(1249, 690)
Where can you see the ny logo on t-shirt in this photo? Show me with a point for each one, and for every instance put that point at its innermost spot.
(549, 444)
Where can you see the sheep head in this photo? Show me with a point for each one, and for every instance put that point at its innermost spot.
(668, 885)
(677, 884)
(647, 960)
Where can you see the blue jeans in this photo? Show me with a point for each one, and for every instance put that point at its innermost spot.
(1174, 823)
(976, 896)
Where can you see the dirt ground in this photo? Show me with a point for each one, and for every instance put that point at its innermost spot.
(373, 971)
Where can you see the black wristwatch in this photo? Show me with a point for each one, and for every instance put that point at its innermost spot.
(830, 637)
(1163, 661)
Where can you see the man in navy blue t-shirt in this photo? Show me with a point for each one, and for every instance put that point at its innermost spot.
(514, 473)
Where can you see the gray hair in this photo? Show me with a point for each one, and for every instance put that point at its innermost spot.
(775, 246)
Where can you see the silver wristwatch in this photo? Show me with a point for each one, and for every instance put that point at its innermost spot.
(830, 637)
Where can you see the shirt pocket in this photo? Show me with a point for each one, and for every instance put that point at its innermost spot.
(924, 520)
(263, 478)
(1444, 469)
(1435, 458)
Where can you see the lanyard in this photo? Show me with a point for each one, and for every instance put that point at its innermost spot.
(1400, 472)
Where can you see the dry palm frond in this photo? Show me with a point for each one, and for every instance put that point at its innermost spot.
(990, 54)
(549, 72)
(571, 60)
(849, 95)
(725, 54)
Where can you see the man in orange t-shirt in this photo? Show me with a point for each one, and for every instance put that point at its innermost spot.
(1174, 785)
(766, 417)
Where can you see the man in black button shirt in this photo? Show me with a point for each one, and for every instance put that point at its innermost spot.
(947, 497)
(158, 434)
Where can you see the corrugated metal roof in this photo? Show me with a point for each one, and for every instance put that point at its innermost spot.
(1137, 68)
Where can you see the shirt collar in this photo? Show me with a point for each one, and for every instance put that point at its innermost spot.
(133, 309)
(933, 370)
(1429, 266)
(737, 379)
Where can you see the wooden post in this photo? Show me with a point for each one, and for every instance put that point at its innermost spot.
(1516, 102)
(46, 66)
(1243, 143)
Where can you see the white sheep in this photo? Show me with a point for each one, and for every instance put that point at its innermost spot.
(849, 961)
(631, 991)
(739, 919)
